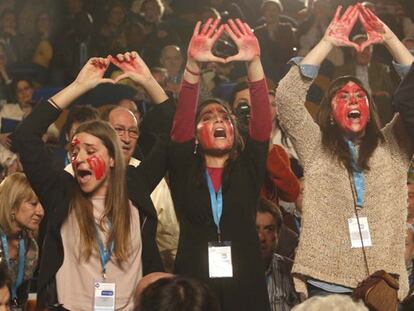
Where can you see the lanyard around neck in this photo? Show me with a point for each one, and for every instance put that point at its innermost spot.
(216, 203)
(21, 263)
(357, 176)
(104, 254)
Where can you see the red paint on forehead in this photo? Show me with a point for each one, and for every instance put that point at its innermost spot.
(75, 142)
(342, 106)
(97, 165)
(350, 87)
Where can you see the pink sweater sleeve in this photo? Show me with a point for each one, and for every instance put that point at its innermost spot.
(260, 124)
(184, 119)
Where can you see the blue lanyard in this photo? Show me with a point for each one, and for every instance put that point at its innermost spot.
(358, 176)
(104, 254)
(216, 204)
(20, 269)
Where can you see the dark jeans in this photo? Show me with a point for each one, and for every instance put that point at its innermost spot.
(316, 291)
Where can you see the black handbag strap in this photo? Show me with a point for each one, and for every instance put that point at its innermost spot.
(357, 217)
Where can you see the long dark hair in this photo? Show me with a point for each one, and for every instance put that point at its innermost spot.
(235, 150)
(332, 136)
(238, 144)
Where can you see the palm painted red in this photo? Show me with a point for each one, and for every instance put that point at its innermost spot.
(340, 27)
(377, 31)
(133, 67)
(202, 42)
(246, 41)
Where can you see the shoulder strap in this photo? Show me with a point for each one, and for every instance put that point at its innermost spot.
(359, 226)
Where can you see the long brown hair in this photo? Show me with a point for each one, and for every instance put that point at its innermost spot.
(332, 136)
(117, 209)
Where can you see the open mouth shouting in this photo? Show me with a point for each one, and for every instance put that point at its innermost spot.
(83, 175)
(350, 108)
(354, 114)
(220, 133)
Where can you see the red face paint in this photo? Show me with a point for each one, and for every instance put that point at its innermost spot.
(97, 165)
(75, 142)
(350, 108)
(215, 130)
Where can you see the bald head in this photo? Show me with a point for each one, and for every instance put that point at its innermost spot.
(126, 126)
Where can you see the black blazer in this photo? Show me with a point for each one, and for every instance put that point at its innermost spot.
(54, 190)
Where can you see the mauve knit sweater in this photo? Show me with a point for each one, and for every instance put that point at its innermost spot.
(324, 250)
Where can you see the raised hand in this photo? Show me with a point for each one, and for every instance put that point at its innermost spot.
(92, 73)
(377, 31)
(340, 27)
(246, 41)
(202, 41)
(133, 67)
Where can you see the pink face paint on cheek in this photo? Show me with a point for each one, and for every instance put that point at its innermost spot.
(97, 165)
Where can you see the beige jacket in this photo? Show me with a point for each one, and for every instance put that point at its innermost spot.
(324, 250)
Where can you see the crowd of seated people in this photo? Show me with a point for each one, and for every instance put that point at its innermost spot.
(205, 155)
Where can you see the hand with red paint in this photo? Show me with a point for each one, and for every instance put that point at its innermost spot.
(92, 73)
(202, 41)
(377, 31)
(133, 67)
(246, 41)
(340, 27)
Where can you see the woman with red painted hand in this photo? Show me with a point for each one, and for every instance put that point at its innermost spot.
(351, 167)
(216, 177)
(92, 249)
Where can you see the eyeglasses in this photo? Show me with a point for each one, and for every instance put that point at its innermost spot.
(132, 132)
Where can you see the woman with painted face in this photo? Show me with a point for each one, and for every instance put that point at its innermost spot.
(93, 246)
(20, 216)
(216, 176)
(351, 167)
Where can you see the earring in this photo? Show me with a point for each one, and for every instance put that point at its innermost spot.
(332, 122)
(195, 147)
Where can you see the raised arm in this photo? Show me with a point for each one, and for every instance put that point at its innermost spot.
(27, 139)
(199, 51)
(89, 77)
(135, 69)
(337, 34)
(378, 32)
(292, 89)
(260, 124)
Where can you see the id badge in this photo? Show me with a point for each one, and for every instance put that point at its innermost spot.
(104, 296)
(355, 235)
(219, 260)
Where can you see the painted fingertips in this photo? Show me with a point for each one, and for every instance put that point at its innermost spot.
(240, 26)
(206, 26)
(213, 28)
(337, 13)
(218, 33)
(234, 28)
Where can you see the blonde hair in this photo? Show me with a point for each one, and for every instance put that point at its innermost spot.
(14, 190)
(330, 303)
(117, 208)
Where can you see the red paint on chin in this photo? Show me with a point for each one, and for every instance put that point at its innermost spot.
(97, 165)
(342, 107)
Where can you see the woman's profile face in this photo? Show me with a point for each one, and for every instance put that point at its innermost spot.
(215, 131)
(91, 163)
(350, 108)
(29, 214)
